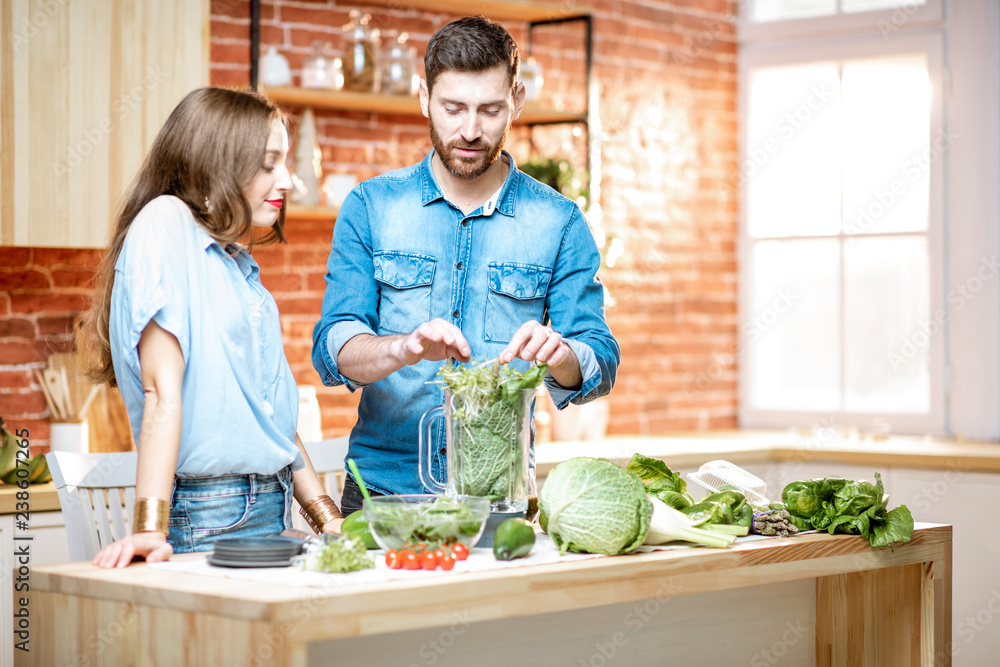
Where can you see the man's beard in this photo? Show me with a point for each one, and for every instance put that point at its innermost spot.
(464, 167)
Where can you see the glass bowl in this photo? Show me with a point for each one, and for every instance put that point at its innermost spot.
(415, 518)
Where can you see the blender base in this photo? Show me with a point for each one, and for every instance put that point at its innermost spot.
(494, 520)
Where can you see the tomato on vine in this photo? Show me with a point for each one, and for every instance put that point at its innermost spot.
(428, 560)
(410, 560)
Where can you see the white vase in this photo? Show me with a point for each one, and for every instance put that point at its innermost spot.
(274, 69)
(308, 162)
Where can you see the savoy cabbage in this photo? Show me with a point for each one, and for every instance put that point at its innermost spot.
(594, 506)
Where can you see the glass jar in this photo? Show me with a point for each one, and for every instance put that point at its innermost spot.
(360, 54)
(398, 66)
(322, 70)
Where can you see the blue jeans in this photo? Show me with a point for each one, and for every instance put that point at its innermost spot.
(351, 500)
(204, 509)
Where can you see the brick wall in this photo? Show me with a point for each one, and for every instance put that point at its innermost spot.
(667, 79)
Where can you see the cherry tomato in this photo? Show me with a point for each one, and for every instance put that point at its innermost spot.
(393, 560)
(440, 552)
(459, 551)
(410, 560)
(447, 562)
(428, 560)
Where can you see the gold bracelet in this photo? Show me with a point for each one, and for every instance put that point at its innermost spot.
(151, 515)
(319, 511)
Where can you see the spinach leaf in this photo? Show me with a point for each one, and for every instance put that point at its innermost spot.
(896, 525)
(856, 497)
(676, 499)
(709, 512)
(806, 498)
(652, 470)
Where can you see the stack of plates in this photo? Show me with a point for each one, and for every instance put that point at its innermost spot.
(273, 551)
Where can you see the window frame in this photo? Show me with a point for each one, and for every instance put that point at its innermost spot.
(884, 22)
(838, 47)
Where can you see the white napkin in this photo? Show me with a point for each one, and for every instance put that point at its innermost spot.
(479, 560)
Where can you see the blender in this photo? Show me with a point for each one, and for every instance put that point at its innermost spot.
(487, 453)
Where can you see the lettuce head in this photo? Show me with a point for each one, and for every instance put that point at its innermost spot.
(594, 506)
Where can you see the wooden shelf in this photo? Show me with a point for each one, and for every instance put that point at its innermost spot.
(296, 212)
(499, 10)
(342, 100)
(345, 100)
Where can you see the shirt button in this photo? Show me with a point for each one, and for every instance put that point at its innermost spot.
(465, 223)
(444, 450)
(455, 313)
(459, 266)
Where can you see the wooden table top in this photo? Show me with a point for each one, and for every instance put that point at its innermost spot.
(393, 606)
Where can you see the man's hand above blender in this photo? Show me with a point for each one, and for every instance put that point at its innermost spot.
(367, 358)
(534, 341)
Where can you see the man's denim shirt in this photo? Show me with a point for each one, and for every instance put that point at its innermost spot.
(403, 255)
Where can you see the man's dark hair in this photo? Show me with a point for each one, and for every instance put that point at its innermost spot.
(470, 44)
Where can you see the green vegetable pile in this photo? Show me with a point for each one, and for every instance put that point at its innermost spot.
(339, 554)
(441, 521)
(13, 457)
(839, 505)
(715, 511)
(593, 506)
(490, 413)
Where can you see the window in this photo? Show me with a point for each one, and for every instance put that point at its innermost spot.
(842, 185)
(783, 10)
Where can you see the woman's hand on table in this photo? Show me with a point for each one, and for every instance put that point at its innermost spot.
(151, 546)
(333, 526)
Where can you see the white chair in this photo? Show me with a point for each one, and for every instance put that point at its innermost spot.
(97, 492)
(329, 460)
(97, 497)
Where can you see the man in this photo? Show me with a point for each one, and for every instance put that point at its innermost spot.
(458, 256)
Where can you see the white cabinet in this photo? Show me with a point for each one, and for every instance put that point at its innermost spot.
(966, 500)
(47, 545)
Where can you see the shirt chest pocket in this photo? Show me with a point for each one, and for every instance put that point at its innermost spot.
(517, 294)
(404, 290)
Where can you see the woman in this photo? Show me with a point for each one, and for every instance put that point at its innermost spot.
(192, 339)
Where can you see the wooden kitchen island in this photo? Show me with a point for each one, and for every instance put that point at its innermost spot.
(848, 605)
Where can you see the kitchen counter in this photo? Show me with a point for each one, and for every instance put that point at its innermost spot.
(744, 447)
(871, 608)
(42, 497)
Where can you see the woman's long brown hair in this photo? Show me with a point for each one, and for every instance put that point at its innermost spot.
(207, 152)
